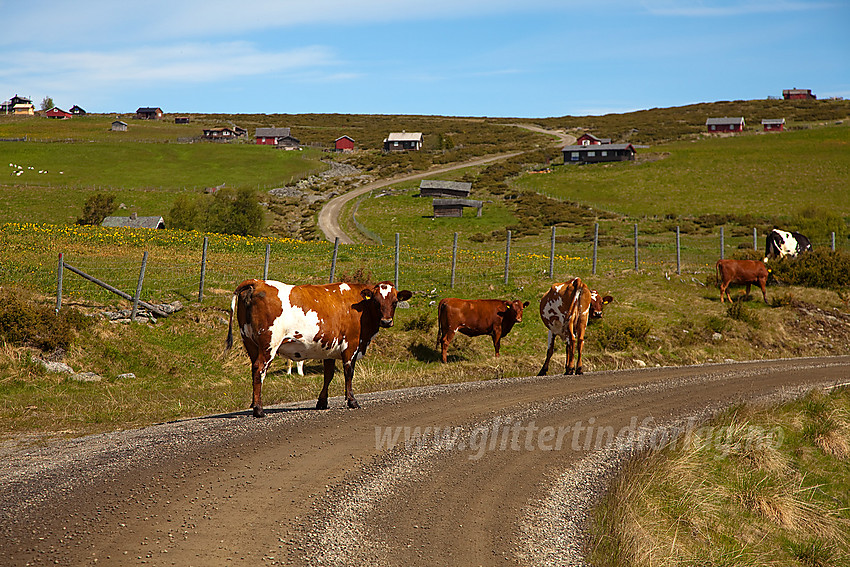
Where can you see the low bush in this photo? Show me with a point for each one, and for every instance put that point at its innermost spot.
(821, 268)
(27, 323)
(619, 335)
(738, 311)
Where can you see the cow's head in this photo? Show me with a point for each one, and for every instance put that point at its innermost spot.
(385, 297)
(517, 306)
(598, 303)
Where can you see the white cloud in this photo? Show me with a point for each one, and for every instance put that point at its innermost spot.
(723, 8)
(181, 63)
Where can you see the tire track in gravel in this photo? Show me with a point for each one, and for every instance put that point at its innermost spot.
(306, 487)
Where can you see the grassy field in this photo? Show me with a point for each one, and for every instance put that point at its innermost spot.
(658, 317)
(755, 486)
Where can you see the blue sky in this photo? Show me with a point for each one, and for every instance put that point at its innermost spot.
(534, 58)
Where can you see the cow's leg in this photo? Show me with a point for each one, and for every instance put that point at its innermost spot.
(444, 341)
(348, 372)
(748, 290)
(549, 351)
(763, 286)
(322, 402)
(571, 353)
(582, 329)
(258, 374)
(497, 341)
(722, 291)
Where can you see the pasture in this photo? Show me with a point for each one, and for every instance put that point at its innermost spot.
(658, 317)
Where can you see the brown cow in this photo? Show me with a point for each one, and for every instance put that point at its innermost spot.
(565, 310)
(475, 317)
(747, 272)
(319, 322)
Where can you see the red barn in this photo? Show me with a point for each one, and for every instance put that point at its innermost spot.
(725, 124)
(773, 124)
(344, 144)
(591, 140)
(798, 94)
(58, 113)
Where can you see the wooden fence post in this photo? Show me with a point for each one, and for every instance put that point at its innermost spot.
(678, 253)
(454, 259)
(755, 238)
(552, 256)
(266, 264)
(833, 241)
(397, 241)
(59, 282)
(507, 257)
(636, 247)
(333, 260)
(139, 287)
(203, 269)
(595, 246)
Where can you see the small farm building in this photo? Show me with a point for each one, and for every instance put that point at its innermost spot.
(598, 153)
(450, 189)
(149, 113)
(773, 124)
(725, 124)
(58, 113)
(280, 137)
(218, 134)
(344, 144)
(134, 221)
(18, 105)
(119, 126)
(591, 140)
(796, 94)
(403, 141)
(77, 111)
(181, 119)
(454, 207)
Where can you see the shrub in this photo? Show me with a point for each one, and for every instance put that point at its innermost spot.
(96, 208)
(421, 322)
(361, 276)
(24, 322)
(821, 268)
(717, 324)
(738, 311)
(618, 336)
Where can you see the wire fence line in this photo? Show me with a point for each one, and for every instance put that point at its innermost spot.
(171, 275)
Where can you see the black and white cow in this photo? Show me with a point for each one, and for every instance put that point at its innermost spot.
(780, 244)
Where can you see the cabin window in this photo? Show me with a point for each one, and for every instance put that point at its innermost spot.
(591, 154)
(605, 153)
(574, 156)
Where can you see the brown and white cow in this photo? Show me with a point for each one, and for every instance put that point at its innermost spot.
(565, 310)
(747, 272)
(319, 322)
(476, 317)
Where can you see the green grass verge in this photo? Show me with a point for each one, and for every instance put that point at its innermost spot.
(755, 486)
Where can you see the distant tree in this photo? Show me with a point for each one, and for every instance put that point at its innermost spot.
(235, 212)
(47, 103)
(96, 208)
(184, 214)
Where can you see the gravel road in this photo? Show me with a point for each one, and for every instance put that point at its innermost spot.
(506, 479)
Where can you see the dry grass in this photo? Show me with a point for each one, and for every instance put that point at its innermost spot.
(748, 488)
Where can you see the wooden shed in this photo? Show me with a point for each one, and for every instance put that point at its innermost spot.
(725, 124)
(344, 144)
(591, 140)
(798, 94)
(403, 141)
(58, 113)
(598, 153)
(119, 126)
(280, 137)
(773, 124)
(134, 221)
(77, 111)
(149, 113)
(454, 207)
(450, 189)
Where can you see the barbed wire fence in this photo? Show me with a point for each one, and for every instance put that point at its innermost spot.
(216, 273)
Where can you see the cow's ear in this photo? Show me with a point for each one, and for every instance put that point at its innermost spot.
(607, 299)
(404, 295)
(526, 304)
(366, 293)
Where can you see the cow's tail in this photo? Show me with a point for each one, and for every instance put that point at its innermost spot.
(239, 293)
(441, 322)
(717, 279)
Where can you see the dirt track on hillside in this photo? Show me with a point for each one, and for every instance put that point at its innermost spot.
(307, 487)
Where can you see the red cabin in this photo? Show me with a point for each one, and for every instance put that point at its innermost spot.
(58, 113)
(344, 144)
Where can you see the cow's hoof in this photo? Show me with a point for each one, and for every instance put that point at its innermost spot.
(258, 412)
(352, 403)
(542, 373)
(579, 370)
(569, 372)
(322, 403)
